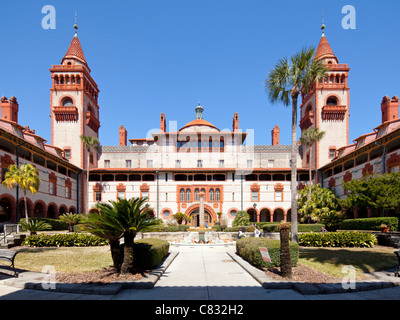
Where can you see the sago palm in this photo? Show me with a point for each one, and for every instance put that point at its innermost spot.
(284, 84)
(89, 142)
(130, 219)
(26, 177)
(309, 138)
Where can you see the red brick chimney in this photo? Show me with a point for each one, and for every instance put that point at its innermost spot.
(122, 136)
(235, 125)
(390, 108)
(9, 109)
(163, 123)
(275, 135)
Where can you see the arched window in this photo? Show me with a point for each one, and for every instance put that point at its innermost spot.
(196, 195)
(331, 101)
(188, 195)
(211, 194)
(221, 143)
(217, 194)
(182, 192)
(67, 102)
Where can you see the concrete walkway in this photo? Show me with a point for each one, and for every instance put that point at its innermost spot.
(201, 273)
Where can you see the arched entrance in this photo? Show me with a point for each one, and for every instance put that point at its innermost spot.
(195, 215)
(193, 212)
(265, 215)
(21, 208)
(7, 205)
(39, 209)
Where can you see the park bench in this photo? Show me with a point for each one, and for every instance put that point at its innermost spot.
(9, 256)
(397, 273)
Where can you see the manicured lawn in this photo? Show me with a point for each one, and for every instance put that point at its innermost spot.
(332, 260)
(65, 259)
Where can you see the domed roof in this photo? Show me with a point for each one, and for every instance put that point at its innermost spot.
(199, 123)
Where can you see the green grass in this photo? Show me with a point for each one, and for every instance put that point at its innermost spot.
(64, 259)
(332, 260)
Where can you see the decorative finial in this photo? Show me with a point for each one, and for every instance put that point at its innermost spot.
(323, 25)
(76, 26)
(199, 111)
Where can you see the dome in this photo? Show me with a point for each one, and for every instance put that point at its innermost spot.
(199, 125)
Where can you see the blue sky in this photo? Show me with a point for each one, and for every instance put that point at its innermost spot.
(153, 56)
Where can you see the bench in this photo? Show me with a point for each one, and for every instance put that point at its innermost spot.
(397, 273)
(9, 256)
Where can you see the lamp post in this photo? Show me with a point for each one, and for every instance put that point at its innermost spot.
(255, 212)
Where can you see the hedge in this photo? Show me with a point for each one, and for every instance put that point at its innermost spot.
(337, 239)
(148, 253)
(64, 240)
(302, 227)
(370, 223)
(249, 249)
(56, 224)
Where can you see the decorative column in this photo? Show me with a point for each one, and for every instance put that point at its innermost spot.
(201, 210)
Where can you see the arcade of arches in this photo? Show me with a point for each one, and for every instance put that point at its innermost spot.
(39, 208)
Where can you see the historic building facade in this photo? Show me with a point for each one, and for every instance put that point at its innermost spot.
(173, 166)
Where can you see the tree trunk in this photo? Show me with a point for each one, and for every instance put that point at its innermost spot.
(309, 177)
(294, 170)
(127, 264)
(26, 208)
(87, 180)
(116, 254)
(285, 260)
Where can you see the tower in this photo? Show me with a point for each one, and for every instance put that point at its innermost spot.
(73, 104)
(123, 135)
(9, 109)
(326, 107)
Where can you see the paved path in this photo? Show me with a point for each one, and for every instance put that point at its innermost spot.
(201, 273)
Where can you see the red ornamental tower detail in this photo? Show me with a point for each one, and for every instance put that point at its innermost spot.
(326, 106)
(74, 104)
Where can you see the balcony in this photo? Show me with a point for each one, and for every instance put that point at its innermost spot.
(67, 113)
(307, 120)
(333, 112)
(92, 121)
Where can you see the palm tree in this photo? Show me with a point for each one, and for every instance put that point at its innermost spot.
(71, 219)
(26, 177)
(308, 138)
(89, 142)
(284, 84)
(127, 217)
(103, 226)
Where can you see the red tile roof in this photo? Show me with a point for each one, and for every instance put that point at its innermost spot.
(75, 51)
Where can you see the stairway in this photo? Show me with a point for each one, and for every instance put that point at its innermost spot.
(12, 240)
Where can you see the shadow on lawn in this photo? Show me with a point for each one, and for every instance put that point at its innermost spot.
(363, 259)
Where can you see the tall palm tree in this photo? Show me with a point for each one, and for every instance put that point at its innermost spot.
(309, 138)
(284, 84)
(127, 217)
(89, 142)
(26, 177)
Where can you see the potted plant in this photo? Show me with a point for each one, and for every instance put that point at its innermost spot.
(384, 228)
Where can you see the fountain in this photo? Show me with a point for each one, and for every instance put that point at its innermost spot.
(201, 235)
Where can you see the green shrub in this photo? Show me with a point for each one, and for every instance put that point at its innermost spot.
(370, 223)
(337, 239)
(56, 224)
(303, 227)
(64, 240)
(148, 253)
(248, 249)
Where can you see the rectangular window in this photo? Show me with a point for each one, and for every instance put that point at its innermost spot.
(332, 153)
(199, 163)
(128, 163)
(52, 187)
(97, 196)
(67, 153)
(249, 163)
(91, 158)
(68, 192)
(149, 163)
(254, 196)
(177, 163)
(106, 163)
(221, 163)
(121, 194)
(270, 163)
(278, 195)
(145, 194)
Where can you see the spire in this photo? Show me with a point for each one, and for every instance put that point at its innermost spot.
(324, 50)
(199, 111)
(76, 26)
(75, 49)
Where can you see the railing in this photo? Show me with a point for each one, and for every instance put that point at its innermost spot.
(8, 229)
